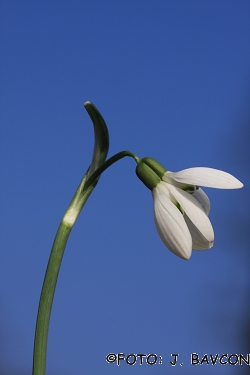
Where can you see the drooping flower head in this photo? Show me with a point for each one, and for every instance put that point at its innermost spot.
(181, 207)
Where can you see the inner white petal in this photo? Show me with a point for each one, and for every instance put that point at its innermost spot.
(203, 199)
(199, 242)
(194, 211)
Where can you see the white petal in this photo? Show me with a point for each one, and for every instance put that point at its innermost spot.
(208, 177)
(171, 225)
(194, 211)
(199, 241)
(203, 199)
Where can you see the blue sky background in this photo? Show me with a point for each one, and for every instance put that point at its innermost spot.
(171, 79)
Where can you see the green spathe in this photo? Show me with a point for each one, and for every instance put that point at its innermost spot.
(150, 172)
(43, 317)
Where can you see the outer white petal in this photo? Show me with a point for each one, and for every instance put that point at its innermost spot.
(171, 225)
(199, 241)
(194, 211)
(203, 199)
(208, 177)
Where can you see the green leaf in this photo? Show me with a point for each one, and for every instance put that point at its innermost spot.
(101, 146)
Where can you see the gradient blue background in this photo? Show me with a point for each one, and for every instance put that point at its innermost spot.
(171, 79)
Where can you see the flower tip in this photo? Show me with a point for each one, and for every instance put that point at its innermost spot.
(235, 183)
(186, 256)
(181, 252)
(241, 185)
(211, 244)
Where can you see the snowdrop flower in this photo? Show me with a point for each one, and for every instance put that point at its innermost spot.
(181, 207)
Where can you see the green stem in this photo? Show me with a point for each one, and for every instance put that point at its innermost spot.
(46, 299)
(48, 290)
(108, 163)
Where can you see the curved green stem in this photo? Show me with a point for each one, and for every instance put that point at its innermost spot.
(108, 163)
